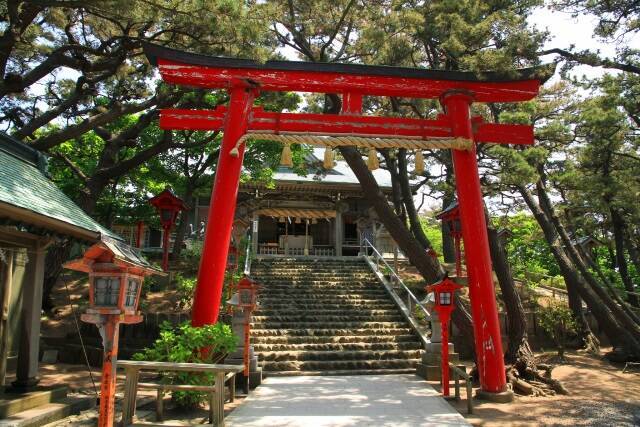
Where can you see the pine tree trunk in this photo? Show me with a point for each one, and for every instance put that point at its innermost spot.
(617, 334)
(182, 227)
(633, 253)
(448, 197)
(407, 199)
(617, 309)
(618, 225)
(517, 343)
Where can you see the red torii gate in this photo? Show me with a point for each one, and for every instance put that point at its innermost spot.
(244, 79)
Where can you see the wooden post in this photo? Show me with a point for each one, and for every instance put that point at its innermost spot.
(6, 298)
(109, 332)
(218, 409)
(27, 370)
(306, 236)
(338, 230)
(255, 223)
(130, 391)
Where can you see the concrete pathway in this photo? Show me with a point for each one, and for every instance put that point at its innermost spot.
(367, 400)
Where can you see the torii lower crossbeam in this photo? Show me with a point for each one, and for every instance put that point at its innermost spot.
(351, 125)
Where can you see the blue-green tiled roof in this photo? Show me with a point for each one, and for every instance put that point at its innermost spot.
(24, 184)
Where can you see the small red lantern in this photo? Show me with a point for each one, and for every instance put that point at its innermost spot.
(444, 305)
(247, 294)
(451, 217)
(116, 273)
(169, 206)
(246, 299)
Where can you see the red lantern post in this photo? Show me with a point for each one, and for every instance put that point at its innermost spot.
(139, 234)
(247, 299)
(444, 305)
(115, 281)
(168, 206)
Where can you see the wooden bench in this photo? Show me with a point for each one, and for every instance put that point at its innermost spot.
(223, 373)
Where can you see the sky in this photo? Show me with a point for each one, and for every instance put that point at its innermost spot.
(578, 31)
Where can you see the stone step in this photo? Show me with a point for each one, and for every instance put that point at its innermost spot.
(49, 412)
(323, 318)
(330, 347)
(293, 306)
(383, 326)
(320, 299)
(308, 261)
(322, 290)
(334, 271)
(339, 365)
(287, 311)
(345, 372)
(326, 356)
(330, 332)
(330, 339)
(329, 293)
(12, 401)
(317, 284)
(311, 269)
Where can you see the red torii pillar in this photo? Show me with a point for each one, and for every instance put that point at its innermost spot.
(486, 324)
(215, 248)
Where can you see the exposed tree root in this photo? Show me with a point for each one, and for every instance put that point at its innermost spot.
(531, 382)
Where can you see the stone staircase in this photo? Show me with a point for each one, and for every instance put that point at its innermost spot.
(328, 317)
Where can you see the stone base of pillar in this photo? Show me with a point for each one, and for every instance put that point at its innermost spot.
(430, 367)
(26, 384)
(500, 397)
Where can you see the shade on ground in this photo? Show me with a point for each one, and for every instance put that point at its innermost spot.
(367, 400)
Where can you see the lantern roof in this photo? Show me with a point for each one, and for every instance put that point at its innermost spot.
(450, 212)
(116, 252)
(445, 285)
(167, 199)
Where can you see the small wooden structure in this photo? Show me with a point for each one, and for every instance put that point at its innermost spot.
(33, 214)
(223, 373)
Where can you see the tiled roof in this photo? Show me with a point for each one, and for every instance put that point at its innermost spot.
(24, 184)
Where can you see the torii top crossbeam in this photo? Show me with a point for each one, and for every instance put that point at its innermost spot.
(243, 79)
(204, 71)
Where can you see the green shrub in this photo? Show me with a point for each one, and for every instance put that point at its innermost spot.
(185, 287)
(187, 344)
(557, 320)
(191, 256)
(554, 282)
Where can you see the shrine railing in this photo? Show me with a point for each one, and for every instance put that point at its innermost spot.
(412, 308)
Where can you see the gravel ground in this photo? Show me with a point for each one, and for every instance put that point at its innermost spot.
(601, 395)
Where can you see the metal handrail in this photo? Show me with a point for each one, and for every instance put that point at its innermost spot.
(410, 296)
(247, 258)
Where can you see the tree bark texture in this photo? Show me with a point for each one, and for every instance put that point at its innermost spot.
(618, 224)
(617, 335)
(407, 199)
